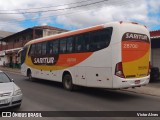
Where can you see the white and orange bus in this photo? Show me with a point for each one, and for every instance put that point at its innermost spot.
(112, 55)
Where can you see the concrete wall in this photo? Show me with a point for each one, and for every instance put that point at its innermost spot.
(2, 60)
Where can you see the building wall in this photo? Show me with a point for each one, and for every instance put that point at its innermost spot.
(3, 59)
(47, 32)
(19, 39)
(155, 57)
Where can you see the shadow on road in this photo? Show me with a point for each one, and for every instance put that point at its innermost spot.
(45, 82)
(154, 81)
(114, 95)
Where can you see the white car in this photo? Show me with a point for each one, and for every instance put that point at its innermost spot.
(10, 93)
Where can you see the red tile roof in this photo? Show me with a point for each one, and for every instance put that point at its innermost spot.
(155, 34)
(50, 27)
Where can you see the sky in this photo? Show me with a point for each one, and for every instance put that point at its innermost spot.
(17, 15)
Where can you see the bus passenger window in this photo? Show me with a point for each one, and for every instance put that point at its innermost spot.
(23, 54)
(63, 46)
(70, 44)
(86, 39)
(44, 48)
(32, 50)
(36, 49)
(100, 39)
(39, 48)
(50, 46)
(55, 46)
(79, 43)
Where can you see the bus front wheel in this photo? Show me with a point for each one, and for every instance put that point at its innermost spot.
(67, 82)
(29, 74)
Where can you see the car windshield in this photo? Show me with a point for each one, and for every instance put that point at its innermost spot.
(4, 78)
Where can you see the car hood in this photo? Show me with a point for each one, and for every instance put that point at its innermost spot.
(7, 87)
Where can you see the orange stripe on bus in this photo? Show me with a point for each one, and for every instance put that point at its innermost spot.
(72, 59)
(131, 52)
(64, 61)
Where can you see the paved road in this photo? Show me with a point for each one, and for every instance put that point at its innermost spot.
(42, 95)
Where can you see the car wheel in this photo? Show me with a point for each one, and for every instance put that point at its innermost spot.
(67, 82)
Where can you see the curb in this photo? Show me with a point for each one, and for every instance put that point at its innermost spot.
(142, 93)
(150, 89)
(10, 70)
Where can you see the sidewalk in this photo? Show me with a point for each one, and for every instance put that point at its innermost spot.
(15, 70)
(150, 89)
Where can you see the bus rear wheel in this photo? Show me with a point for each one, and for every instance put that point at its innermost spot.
(67, 82)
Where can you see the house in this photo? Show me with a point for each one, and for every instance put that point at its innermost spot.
(10, 45)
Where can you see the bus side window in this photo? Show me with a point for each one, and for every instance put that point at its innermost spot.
(55, 45)
(23, 54)
(32, 50)
(87, 42)
(38, 49)
(70, 43)
(95, 37)
(63, 45)
(107, 35)
(50, 46)
(44, 48)
(79, 43)
(100, 39)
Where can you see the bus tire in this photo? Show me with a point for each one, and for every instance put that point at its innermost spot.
(29, 75)
(67, 82)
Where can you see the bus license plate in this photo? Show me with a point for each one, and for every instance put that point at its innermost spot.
(137, 82)
(5, 101)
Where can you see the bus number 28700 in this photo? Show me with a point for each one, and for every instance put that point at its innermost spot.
(130, 46)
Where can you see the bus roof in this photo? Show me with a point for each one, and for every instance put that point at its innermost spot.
(70, 33)
(65, 34)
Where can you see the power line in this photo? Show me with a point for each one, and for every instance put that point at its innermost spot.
(62, 14)
(58, 14)
(58, 9)
(18, 20)
(49, 6)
